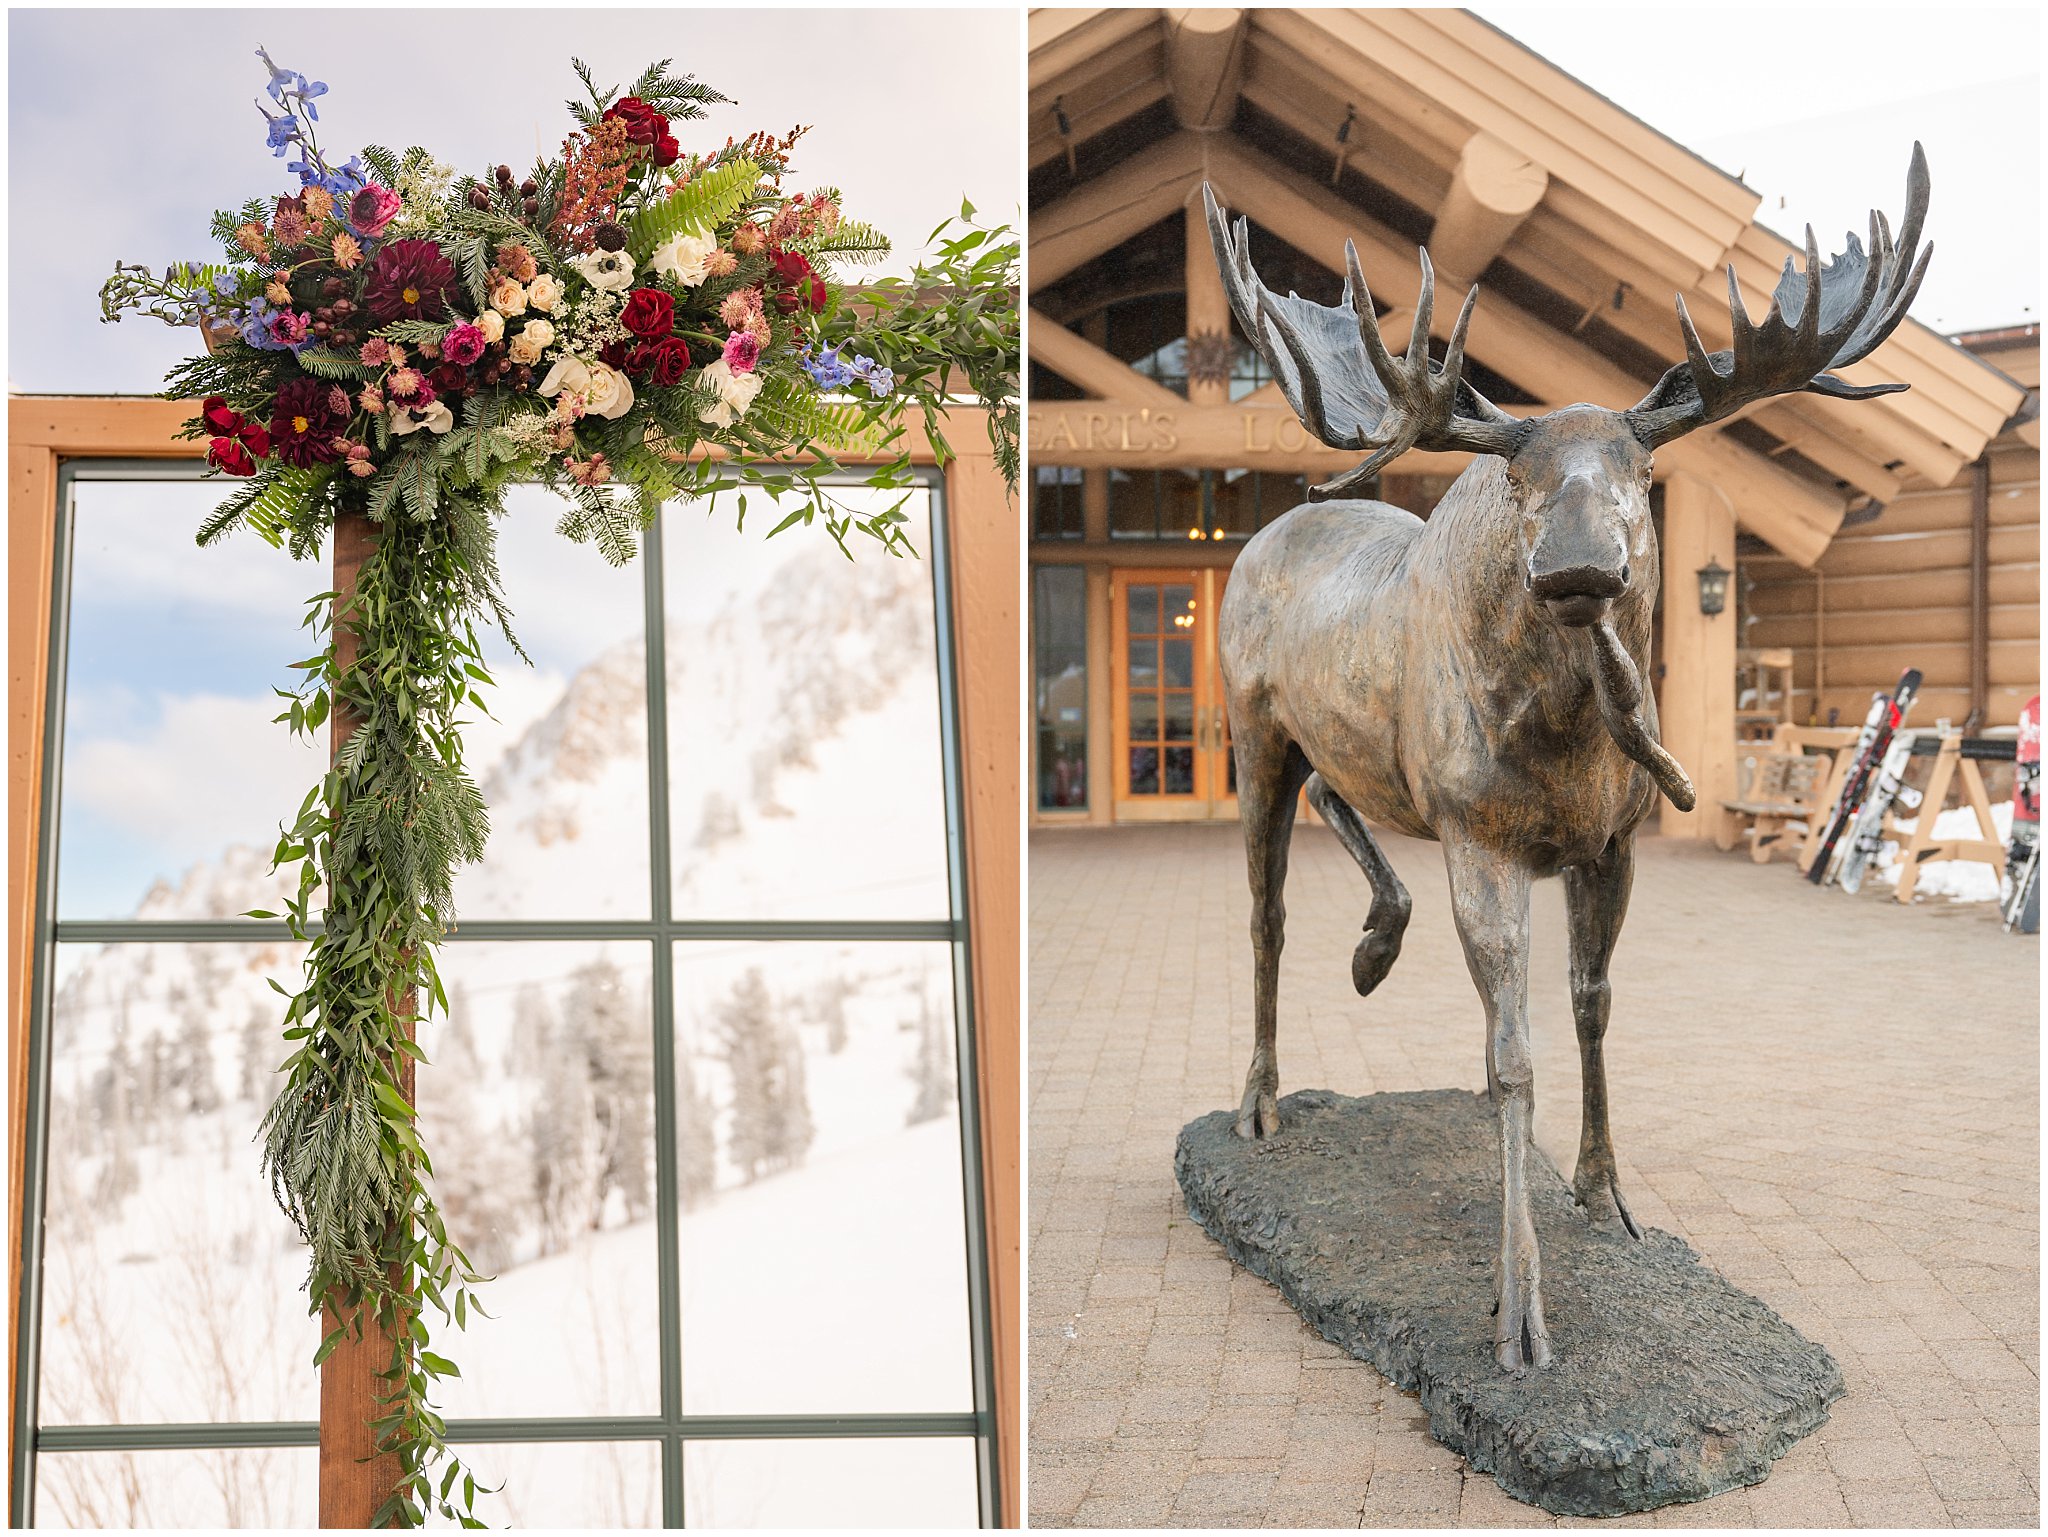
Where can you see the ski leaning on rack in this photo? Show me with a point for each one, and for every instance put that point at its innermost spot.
(2022, 904)
(1886, 711)
(1866, 833)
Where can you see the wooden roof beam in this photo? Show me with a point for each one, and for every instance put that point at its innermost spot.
(1104, 212)
(1492, 191)
(1086, 366)
(1204, 64)
(1062, 42)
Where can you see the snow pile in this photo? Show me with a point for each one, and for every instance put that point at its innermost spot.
(1959, 880)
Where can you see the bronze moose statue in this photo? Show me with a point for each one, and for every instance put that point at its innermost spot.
(1477, 678)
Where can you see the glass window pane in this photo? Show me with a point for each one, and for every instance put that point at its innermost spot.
(1144, 717)
(1180, 771)
(563, 765)
(172, 1283)
(1178, 662)
(914, 1482)
(823, 1255)
(805, 759)
(1180, 717)
(1144, 671)
(1060, 682)
(175, 777)
(1134, 504)
(1144, 771)
(243, 1488)
(538, 1102)
(576, 1485)
(1143, 598)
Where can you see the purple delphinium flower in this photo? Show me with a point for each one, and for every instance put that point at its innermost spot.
(878, 379)
(827, 369)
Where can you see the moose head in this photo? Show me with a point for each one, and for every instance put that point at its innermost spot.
(1579, 477)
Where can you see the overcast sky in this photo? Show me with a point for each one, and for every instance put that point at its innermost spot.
(1817, 108)
(128, 128)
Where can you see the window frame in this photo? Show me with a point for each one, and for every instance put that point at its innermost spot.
(671, 1428)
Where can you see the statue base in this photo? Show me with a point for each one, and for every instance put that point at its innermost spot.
(1378, 1219)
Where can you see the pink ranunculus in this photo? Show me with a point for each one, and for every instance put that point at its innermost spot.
(463, 344)
(371, 209)
(742, 351)
(291, 327)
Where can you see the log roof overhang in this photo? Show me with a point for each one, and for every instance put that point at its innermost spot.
(1376, 124)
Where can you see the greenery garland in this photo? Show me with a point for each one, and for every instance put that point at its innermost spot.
(378, 840)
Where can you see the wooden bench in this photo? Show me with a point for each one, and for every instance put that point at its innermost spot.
(1785, 788)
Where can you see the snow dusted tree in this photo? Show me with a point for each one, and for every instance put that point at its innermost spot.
(771, 1113)
(199, 1090)
(260, 1050)
(931, 1067)
(618, 1051)
(480, 1177)
(830, 1002)
(113, 1103)
(560, 1136)
(533, 1032)
(696, 1138)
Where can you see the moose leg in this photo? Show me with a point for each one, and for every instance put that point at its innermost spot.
(1490, 896)
(1270, 769)
(1388, 918)
(1596, 900)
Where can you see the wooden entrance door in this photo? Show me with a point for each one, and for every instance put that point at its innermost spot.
(1172, 743)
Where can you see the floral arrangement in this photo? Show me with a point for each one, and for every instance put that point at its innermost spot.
(389, 346)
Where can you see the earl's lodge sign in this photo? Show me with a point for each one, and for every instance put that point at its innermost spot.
(1098, 434)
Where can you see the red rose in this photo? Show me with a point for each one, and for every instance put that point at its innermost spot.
(218, 418)
(257, 438)
(614, 354)
(790, 268)
(666, 150)
(650, 314)
(644, 125)
(450, 380)
(808, 293)
(662, 362)
(226, 454)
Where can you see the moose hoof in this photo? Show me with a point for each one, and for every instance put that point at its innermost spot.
(1374, 958)
(1258, 1116)
(1600, 1199)
(1519, 1339)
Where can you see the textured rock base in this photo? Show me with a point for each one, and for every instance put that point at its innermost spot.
(1378, 1219)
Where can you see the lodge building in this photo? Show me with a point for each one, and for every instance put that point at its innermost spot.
(1862, 536)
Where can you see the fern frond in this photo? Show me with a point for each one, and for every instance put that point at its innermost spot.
(325, 363)
(267, 503)
(703, 205)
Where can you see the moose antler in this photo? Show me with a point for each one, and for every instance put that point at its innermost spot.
(1828, 317)
(1335, 370)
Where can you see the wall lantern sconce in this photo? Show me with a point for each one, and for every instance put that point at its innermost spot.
(1713, 587)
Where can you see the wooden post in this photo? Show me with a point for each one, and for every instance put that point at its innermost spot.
(1101, 736)
(1980, 592)
(1696, 706)
(354, 1481)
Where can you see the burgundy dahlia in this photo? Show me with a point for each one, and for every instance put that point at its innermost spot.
(304, 423)
(409, 280)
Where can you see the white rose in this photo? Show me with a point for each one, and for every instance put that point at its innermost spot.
(492, 324)
(437, 418)
(544, 293)
(567, 374)
(608, 270)
(610, 394)
(684, 258)
(508, 298)
(526, 348)
(540, 332)
(733, 394)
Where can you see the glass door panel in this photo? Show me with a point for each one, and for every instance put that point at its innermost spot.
(1171, 745)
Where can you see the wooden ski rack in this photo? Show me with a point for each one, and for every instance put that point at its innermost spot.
(1952, 753)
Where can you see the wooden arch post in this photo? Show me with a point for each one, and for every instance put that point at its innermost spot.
(355, 1481)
